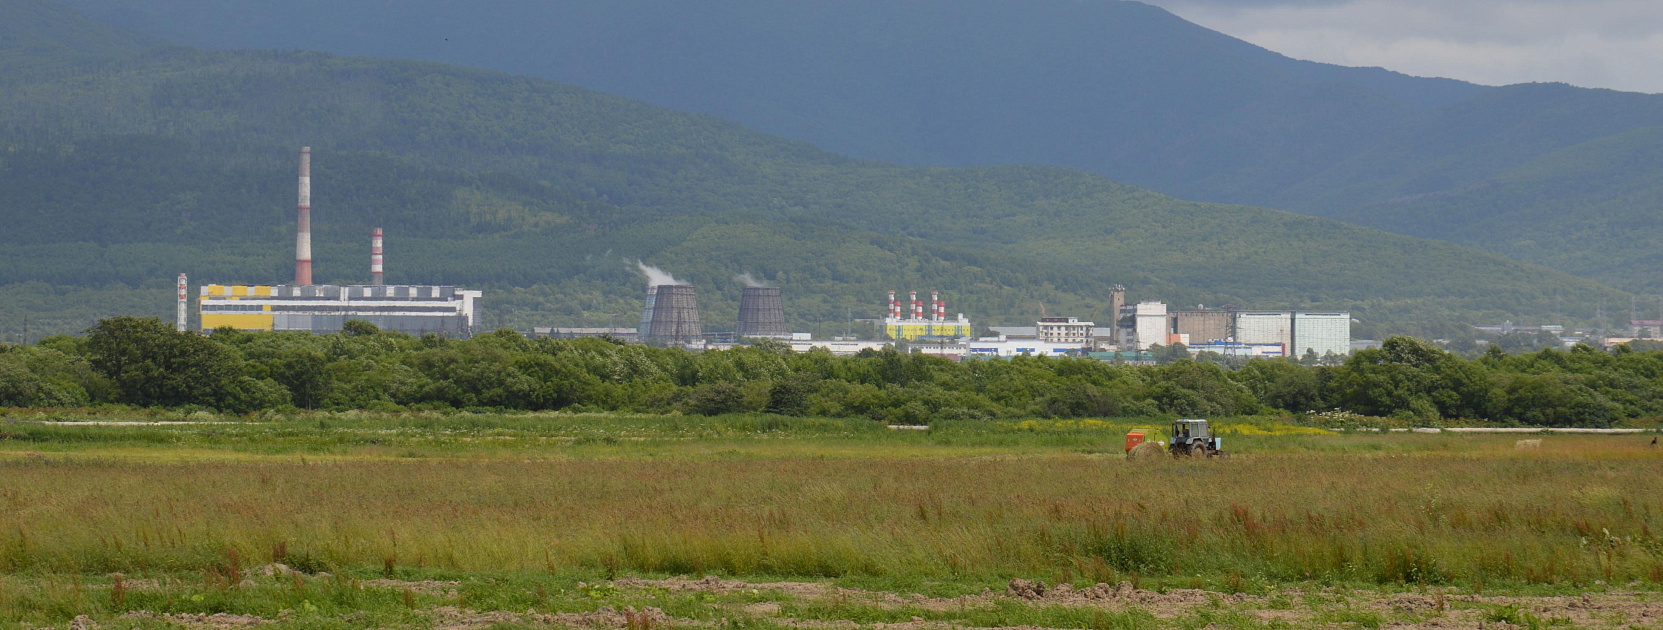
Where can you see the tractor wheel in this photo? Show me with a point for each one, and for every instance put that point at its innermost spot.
(1198, 451)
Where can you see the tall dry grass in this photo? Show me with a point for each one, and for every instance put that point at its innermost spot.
(1576, 511)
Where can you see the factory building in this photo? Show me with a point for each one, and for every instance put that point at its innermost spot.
(1202, 325)
(924, 322)
(1644, 328)
(1322, 333)
(325, 308)
(1063, 330)
(1262, 327)
(1150, 324)
(1006, 347)
(626, 335)
(1237, 349)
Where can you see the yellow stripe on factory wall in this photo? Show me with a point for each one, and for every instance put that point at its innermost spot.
(915, 331)
(241, 321)
(238, 290)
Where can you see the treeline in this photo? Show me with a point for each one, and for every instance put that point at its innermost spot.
(144, 362)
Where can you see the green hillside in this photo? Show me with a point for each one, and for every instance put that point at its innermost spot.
(119, 175)
(1591, 209)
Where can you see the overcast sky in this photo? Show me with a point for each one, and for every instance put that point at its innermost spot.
(1614, 44)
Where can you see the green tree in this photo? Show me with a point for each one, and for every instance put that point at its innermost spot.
(152, 364)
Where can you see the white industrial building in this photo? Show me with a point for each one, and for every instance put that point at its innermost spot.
(1322, 333)
(1237, 349)
(999, 347)
(1063, 330)
(1150, 323)
(838, 347)
(1260, 327)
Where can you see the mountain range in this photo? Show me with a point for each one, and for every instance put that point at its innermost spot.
(1120, 89)
(127, 161)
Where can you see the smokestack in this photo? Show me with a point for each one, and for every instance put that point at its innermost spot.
(912, 306)
(935, 305)
(893, 307)
(179, 318)
(303, 236)
(375, 257)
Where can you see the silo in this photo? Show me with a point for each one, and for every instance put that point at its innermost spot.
(761, 313)
(672, 314)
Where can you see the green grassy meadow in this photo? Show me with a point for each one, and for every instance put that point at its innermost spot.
(362, 520)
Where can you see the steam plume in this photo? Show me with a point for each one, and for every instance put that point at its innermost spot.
(749, 280)
(656, 277)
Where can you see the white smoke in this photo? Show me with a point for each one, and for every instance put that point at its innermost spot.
(656, 277)
(749, 280)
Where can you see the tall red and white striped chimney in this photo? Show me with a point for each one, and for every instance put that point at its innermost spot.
(375, 257)
(303, 237)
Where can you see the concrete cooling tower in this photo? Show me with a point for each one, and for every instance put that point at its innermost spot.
(672, 314)
(761, 314)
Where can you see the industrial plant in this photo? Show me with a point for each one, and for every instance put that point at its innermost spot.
(303, 306)
(670, 316)
(927, 322)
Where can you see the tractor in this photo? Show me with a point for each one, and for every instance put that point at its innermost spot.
(1190, 438)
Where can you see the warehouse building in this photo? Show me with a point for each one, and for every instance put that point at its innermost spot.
(1261, 327)
(1202, 325)
(1322, 332)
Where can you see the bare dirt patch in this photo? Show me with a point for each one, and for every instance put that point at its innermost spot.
(453, 618)
(421, 587)
(1403, 610)
(201, 621)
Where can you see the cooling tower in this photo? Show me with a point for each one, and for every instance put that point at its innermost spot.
(761, 313)
(644, 331)
(672, 314)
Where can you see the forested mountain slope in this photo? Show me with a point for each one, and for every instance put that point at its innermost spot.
(1120, 89)
(121, 174)
(1591, 209)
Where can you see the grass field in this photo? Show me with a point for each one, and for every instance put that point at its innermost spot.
(475, 521)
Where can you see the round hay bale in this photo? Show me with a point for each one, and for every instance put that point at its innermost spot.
(1527, 444)
(1147, 451)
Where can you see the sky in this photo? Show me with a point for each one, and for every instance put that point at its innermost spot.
(1615, 44)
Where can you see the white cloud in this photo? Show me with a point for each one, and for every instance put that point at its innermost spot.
(1614, 44)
